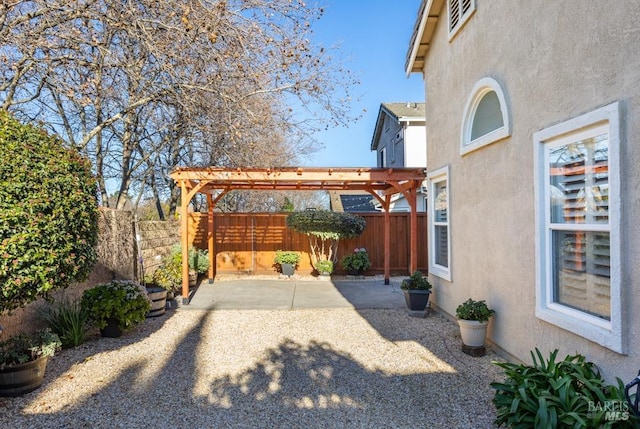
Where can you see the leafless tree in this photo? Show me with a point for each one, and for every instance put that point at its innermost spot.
(143, 86)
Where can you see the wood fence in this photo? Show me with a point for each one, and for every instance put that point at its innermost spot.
(246, 242)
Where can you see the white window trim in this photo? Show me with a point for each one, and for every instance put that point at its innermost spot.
(608, 333)
(434, 178)
(463, 18)
(480, 89)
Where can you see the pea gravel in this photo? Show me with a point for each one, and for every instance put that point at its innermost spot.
(320, 368)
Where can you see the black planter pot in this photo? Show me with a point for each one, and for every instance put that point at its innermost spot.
(16, 380)
(355, 272)
(112, 330)
(416, 299)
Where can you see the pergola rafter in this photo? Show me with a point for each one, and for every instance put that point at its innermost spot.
(381, 183)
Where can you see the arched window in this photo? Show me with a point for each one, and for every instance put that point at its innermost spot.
(486, 118)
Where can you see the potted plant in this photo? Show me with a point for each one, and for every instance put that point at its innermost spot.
(116, 306)
(416, 291)
(324, 267)
(287, 260)
(357, 262)
(473, 318)
(23, 360)
(198, 262)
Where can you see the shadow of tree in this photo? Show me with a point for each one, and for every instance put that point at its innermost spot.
(293, 384)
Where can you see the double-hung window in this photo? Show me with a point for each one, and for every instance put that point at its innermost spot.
(439, 231)
(578, 194)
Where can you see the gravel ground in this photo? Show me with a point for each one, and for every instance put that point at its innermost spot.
(329, 368)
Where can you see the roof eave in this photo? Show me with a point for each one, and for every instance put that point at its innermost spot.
(428, 15)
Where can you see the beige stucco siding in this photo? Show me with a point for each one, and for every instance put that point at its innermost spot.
(555, 60)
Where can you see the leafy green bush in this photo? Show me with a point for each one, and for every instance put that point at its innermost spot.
(125, 301)
(474, 310)
(48, 214)
(551, 394)
(415, 282)
(198, 258)
(357, 261)
(24, 348)
(287, 257)
(324, 267)
(68, 320)
(169, 275)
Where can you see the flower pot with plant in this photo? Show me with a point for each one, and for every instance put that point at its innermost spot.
(116, 306)
(287, 260)
(324, 267)
(473, 318)
(23, 360)
(357, 262)
(416, 291)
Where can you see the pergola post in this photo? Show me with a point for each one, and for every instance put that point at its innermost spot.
(387, 239)
(413, 240)
(184, 239)
(211, 238)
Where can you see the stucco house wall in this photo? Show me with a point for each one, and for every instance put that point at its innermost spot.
(415, 136)
(555, 61)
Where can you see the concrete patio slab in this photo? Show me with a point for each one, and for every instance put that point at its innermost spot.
(290, 294)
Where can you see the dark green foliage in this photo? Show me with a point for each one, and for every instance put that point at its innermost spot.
(326, 224)
(566, 394)
(125, 301)
(23, 348)
(48, 214)
(68, 320)
(416, 282)
(474, 310)
(356, 261)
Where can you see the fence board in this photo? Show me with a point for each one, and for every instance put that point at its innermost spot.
(247, 241)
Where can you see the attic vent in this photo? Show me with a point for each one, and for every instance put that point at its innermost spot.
(459, 13)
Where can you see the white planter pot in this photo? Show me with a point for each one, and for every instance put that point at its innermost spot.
(473, 332)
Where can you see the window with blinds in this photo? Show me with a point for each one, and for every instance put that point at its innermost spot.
(439, 233)
(578, 227)
(579, 220)
(459, 12)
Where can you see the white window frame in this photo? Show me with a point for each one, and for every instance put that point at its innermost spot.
(433, 179)
(480, 89)
(608, 333)
(464, 17)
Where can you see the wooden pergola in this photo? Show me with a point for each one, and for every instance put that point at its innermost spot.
(381, 183)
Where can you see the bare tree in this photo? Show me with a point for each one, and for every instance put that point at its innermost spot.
(143, 86)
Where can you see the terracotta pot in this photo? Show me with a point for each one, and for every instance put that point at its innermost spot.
(16, 380)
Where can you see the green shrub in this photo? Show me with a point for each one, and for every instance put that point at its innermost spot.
(565, 394)
(287, 257)
(474, 310)
(23, 347)
(198, 259)
(357, 261)
(68, 320)
(125, 301)
(415, 282)
(48, 214)
(324, 267)
(169, 275)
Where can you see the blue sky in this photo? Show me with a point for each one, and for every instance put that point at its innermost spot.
(374, 35)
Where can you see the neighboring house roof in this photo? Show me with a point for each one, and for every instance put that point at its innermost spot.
(351, 201)
(423, 30)
(401, 112)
